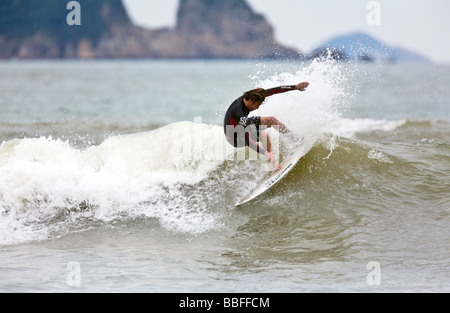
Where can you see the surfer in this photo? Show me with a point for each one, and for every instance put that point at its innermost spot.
(243, 131)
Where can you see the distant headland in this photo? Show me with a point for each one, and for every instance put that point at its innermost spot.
(213, 29)
(364, 48)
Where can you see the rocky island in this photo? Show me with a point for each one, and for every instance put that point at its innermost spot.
(204, 29)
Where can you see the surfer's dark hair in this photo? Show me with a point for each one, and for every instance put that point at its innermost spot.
(258, 94)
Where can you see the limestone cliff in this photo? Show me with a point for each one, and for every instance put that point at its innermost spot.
(204, 29)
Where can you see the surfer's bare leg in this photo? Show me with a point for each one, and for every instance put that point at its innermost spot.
(271, 157)
(272, 121)
(266, 141)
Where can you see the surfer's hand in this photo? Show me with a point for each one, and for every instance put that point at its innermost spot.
(302, 86)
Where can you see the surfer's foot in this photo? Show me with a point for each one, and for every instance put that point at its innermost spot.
(271, 158)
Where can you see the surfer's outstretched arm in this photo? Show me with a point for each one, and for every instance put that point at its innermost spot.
(282, 89)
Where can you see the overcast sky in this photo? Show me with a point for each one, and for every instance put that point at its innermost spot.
(422, 26)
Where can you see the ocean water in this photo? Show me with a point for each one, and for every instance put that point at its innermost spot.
(115, 177)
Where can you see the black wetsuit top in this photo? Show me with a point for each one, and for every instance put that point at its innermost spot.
(237, 115)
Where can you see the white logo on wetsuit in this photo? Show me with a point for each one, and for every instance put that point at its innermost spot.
(243, 121)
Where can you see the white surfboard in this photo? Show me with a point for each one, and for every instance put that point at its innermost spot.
(300, 150)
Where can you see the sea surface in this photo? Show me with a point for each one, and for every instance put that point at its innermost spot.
(115, 177)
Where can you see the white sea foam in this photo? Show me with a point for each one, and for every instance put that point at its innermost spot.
(132, 175)
(308, 113)
(379, 157)
(346, 127)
